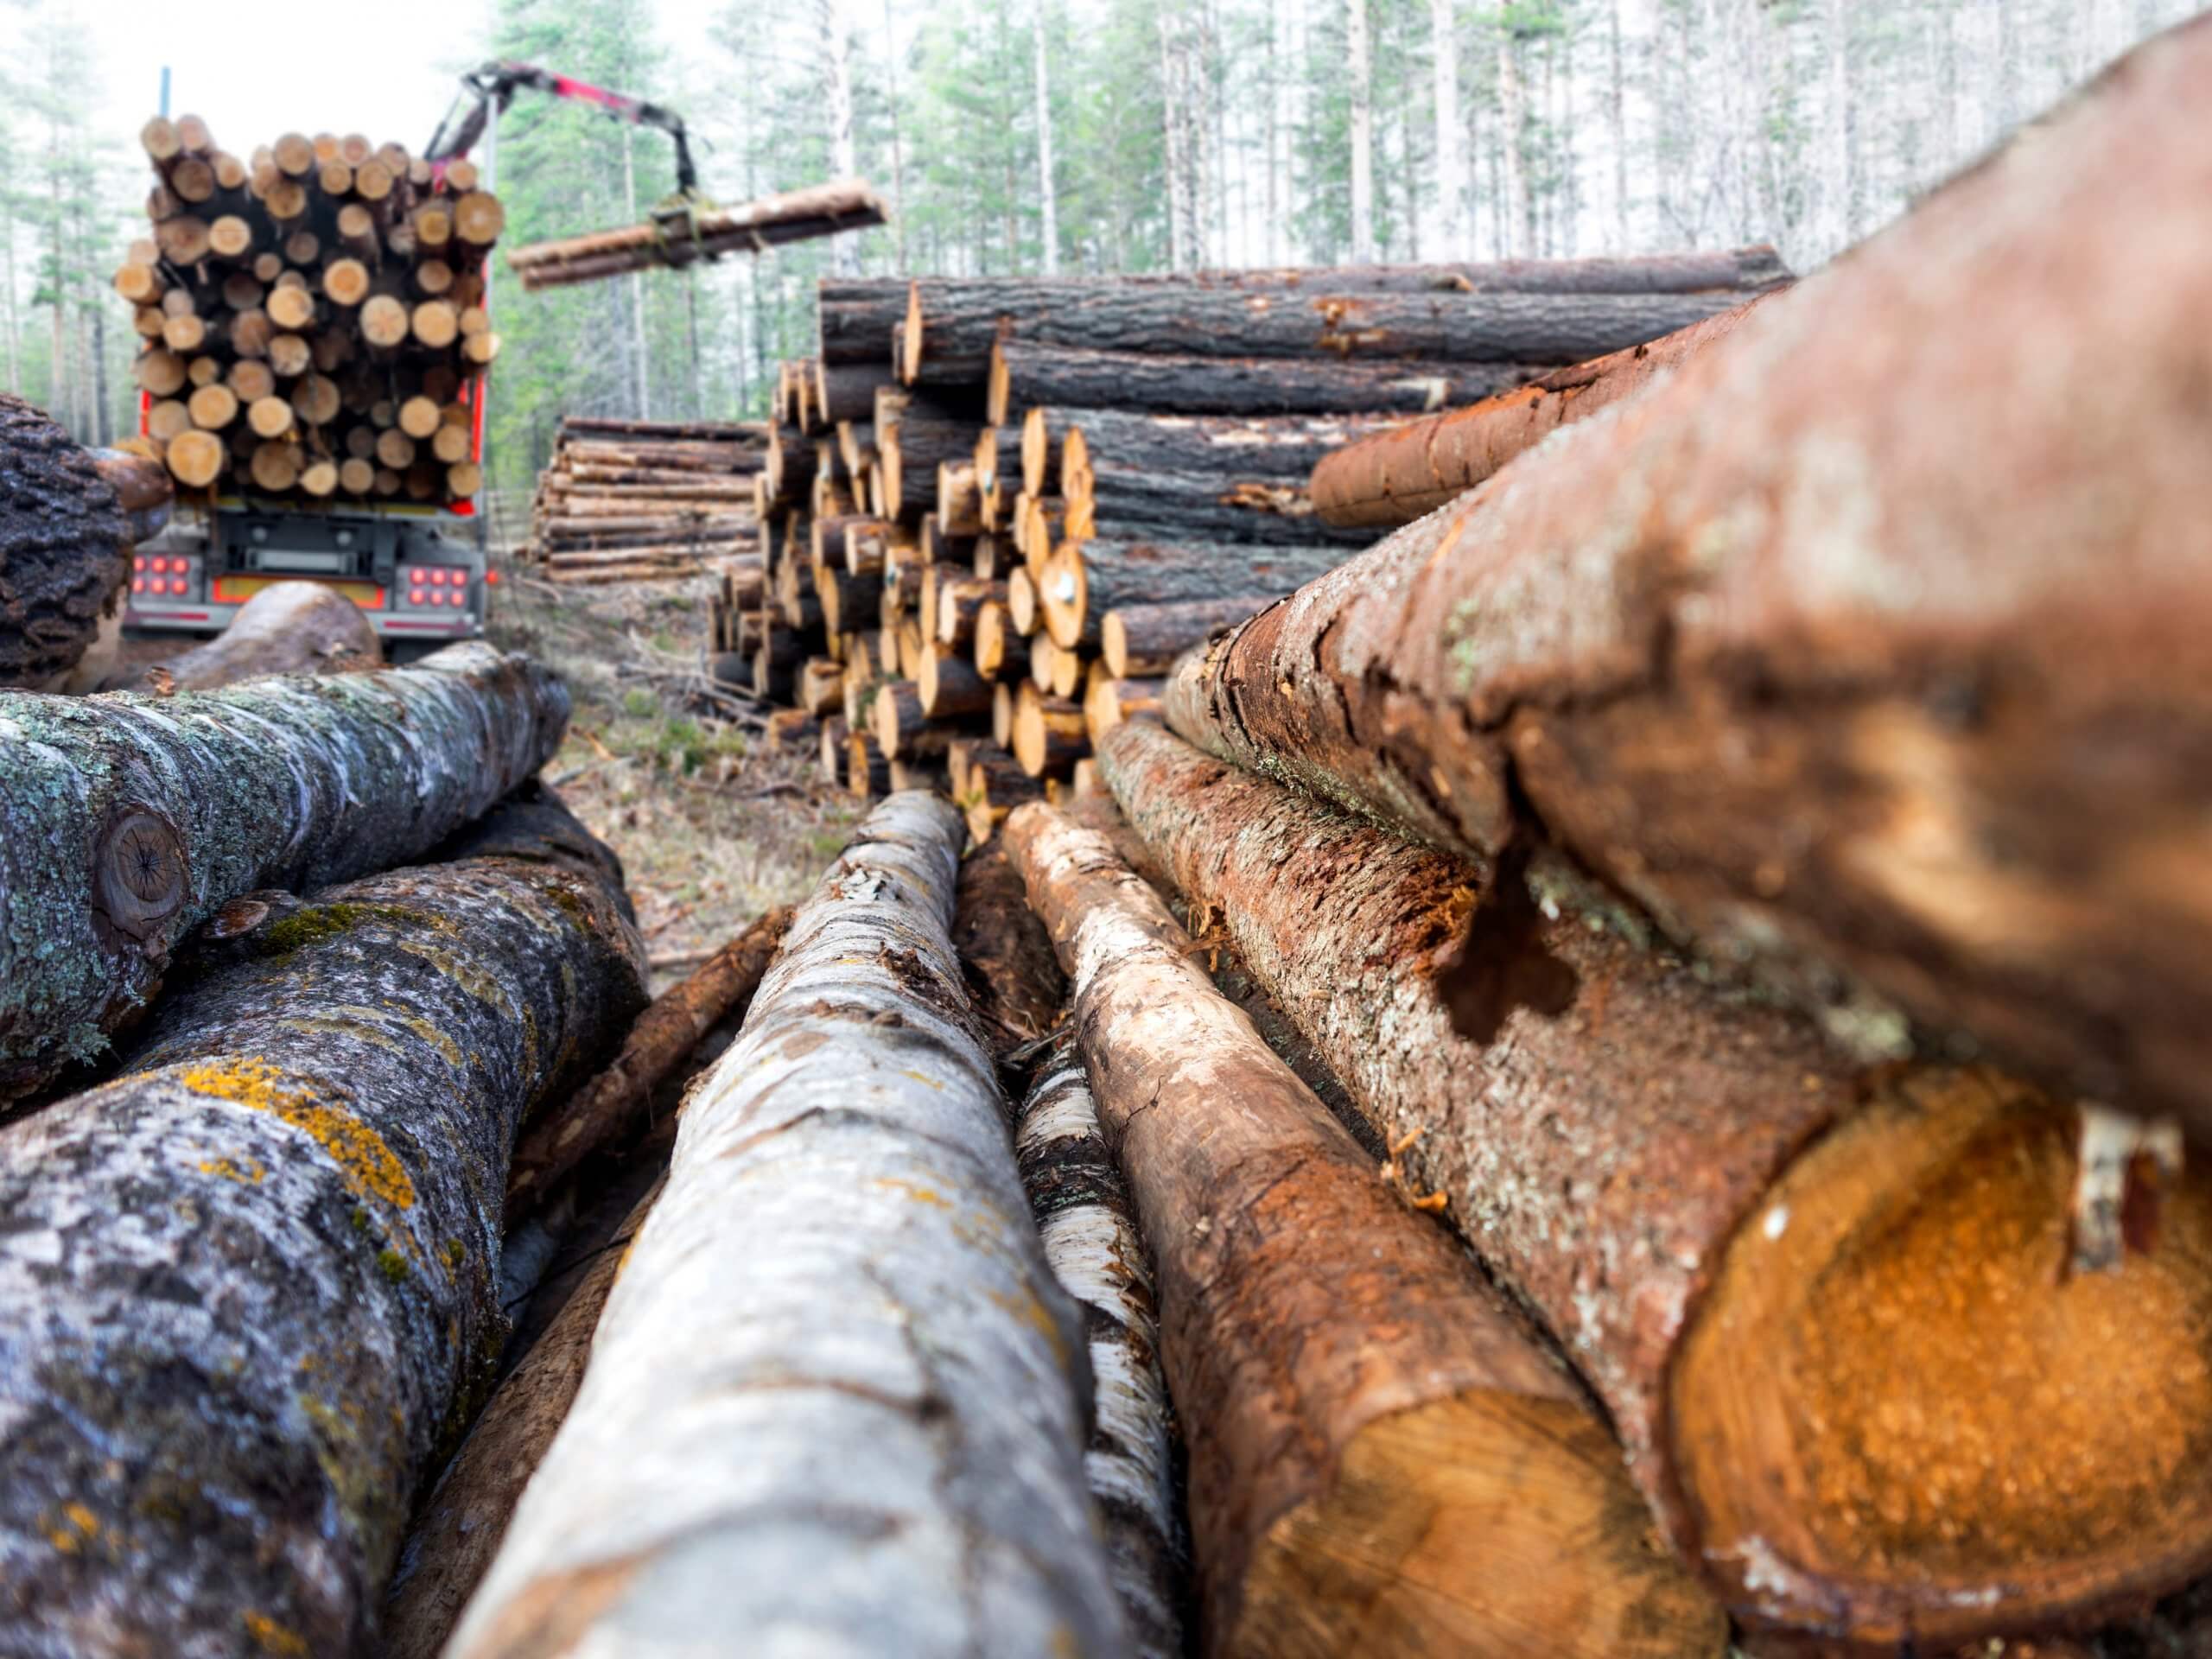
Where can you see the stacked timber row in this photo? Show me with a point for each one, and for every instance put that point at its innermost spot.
(1015, 502)
(313, 317)
(628, 500)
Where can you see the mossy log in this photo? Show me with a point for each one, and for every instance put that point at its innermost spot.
(292, 627)
(833, 1403)
(1791, 1280)
(129, 819)
(1856, 700)
(65, 543)
(1381, 1454)
(262, 1294)
(608, 1112)
(1090, 1228)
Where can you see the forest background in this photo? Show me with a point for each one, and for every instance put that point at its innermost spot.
(1053, 136)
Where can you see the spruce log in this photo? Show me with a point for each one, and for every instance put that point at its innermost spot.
(1393, 477)
(64, 549)
(1048, 736)
(847, 391)
(1158, 504)
(1025, 374)
(949, 684)
(1013, 980)
(911, 452)
(794, 216)
(1002, 650)
(1274, 447)
(1137, 641)
(1892, 732)
(842, 1258)
(601, 1118)
(1378, 1445)
(131, 819)
(1083, 581)
(854, 319)
(291, 627)
(1091, 1240)
(1445, 326)
(215, 1413)
(902, 727)
(750, 433)
(1789, 1280)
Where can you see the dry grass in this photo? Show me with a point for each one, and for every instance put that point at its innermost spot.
(711, 830)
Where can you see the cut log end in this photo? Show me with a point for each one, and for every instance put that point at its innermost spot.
(1920, 1254)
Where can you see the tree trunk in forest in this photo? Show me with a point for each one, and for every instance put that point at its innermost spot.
(1360, 78)
(292, 627)
(1409, 470)
(1515, 208)
(216, 1414)
(1083, 580)
(837, 72)
(1091, 1241)
(131, 819)
(878, 1283)
(1025, 376)
(1707, 1203)
(604, 1115)
(1378, 1389)
(65, 544)
(1447, 114)
(1792, 783)
(1140, 640)
(1047, 188)
(1617, 114)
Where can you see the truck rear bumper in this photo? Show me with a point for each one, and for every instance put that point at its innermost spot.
(198, 617)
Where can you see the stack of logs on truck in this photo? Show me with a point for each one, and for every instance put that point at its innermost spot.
(634, 500)
(994, 510)
(311, 317)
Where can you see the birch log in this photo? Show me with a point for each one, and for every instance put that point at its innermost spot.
(251, 1282)
(833, 1403)
(1850, 693)
(1090, 1228)
(1791, 1280)
(1382, 1455)
(290, 627)
(131, 819)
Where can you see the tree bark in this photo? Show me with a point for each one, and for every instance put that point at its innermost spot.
(1091, 1241)
(842, 1257)
(1270, 448)
(1893, 719)
(293, 627)
(216, 1413)
(1154, 504)
(1024, 375)
(795, 216)
(1706, 1203)
(131, 819)
(604, 1116)
(594, 427)
(1392, 477)
(1083, 580)
(1013, 980)
(1137, 641)
(64, 545)
(1375, 1389)
(854, 318)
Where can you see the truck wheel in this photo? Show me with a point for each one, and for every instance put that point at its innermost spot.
(62, 555)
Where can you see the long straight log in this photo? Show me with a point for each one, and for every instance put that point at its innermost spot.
(1269, 447)
(1139, 641)
(292, 628)
(794, 216)
(131, 819)
(741, 432)
(842, 1257)
(1395, 477)
(1083, 580)
(1789, 1280)
(1373, 1434)
(1912, 731)
(1130, 503)
(1025, 374)
(215, 1413)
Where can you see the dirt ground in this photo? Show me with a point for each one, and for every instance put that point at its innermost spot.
(711, 829)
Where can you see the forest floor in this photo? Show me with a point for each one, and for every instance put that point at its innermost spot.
(711, 829)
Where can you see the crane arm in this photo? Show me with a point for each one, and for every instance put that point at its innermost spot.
(489, 89)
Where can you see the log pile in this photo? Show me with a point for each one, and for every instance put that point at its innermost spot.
(627, 500)
(311, 317)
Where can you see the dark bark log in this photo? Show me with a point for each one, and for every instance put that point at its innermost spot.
(1343, 1372)
(1890, 733)
(1048, 733)
(131, 819)
(776, 664)
(1141, 641)
(821, 686)
(854, 319)
(868, 769)
(912, 450)
(1444, 327)
(1025, 374)
(65, 544)
(992, 786)
(1013, 980)
(794, 216)
(949, 685)
(901, 726)
(1083, 581)
(1395, 477)
(293, 627)
(960, 601)
(601, 1118)
(1275, 448)
(1709, 1205)
(216, 1414)
(791, 465)
(1001, 650)
(1130, 503)
(843, 1257)
(752, 433)
(846, 391)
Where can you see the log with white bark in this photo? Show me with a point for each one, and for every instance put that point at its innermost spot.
(1381, 1452)
(253, 1291)
(842, 1258)
(291, 627)
(131, 818)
